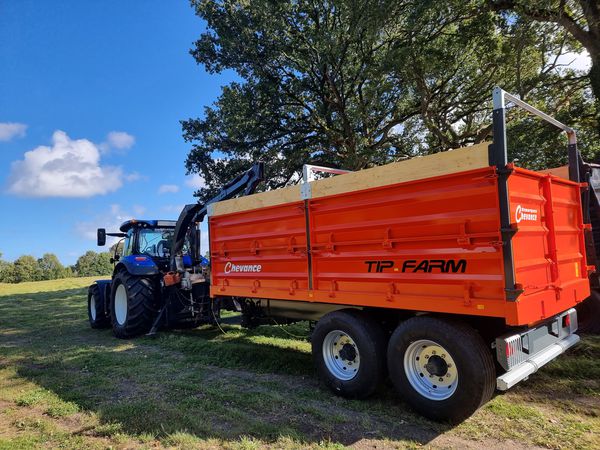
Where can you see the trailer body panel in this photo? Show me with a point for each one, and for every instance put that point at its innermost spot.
(432, 244)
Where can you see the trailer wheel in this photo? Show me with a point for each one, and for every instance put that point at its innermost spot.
(134, 304)
(96, 315)
(442, 368)
(588, 314)
(349, 352)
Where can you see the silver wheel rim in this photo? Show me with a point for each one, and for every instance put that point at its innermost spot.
(430, 370)
(121, 305)
(341, 355)
(93, 307)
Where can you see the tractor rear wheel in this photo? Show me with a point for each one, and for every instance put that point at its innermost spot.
(133, 304)
(96, 314)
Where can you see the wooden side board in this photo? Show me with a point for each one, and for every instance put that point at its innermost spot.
(443, 163)
(261, 200)
(438, 164)
(562, 172)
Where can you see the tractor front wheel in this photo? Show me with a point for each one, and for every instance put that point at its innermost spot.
(96, 315)
(134, 304)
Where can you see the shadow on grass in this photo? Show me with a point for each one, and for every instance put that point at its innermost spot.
(205, 383)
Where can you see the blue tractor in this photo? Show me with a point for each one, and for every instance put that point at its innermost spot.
(160, 279)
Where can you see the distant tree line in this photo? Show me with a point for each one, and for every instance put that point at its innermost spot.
(49, 267)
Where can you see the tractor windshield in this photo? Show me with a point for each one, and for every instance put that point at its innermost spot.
(155, 242)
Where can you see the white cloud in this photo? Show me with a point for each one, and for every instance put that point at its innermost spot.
(168, 188)
(69, 168)
(133, 176)
(117, 140)
(111, 220)
(9, 130)
(195, 181)
(120, 140)
(577, 61)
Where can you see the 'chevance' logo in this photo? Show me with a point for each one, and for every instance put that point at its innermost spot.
(230, 267)
(525, 214)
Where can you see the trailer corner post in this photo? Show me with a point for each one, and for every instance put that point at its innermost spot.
(574, 158)
(498, 156)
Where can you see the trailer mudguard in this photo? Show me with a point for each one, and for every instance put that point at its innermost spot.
(138, 265)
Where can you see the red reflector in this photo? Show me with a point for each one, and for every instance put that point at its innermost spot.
(140, 258)
(509, 350)
(567, 320)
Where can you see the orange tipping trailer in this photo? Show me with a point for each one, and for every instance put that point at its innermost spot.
(433, 244)
(438, 265)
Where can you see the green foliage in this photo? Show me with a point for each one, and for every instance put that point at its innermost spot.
(48, 267)
(92, 263)
(25, 268)
(356, 84)
(6, 271)
(579, 18)
(51, 268)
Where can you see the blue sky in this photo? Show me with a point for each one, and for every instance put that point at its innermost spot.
(102, 86)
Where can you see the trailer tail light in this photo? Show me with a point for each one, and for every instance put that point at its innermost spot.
(569, 321)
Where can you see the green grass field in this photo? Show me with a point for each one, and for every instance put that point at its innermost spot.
(64, 385)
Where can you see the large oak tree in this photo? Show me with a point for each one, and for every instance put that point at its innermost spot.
(353, 84)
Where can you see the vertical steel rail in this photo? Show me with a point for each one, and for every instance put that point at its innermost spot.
(498, 156)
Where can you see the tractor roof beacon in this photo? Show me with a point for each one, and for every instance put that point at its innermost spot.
(454, 274)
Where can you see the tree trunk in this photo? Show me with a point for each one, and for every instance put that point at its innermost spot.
(595, 83)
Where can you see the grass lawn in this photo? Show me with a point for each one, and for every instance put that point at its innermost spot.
(64, 385)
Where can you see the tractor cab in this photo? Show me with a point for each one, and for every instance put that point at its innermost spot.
(146, 245)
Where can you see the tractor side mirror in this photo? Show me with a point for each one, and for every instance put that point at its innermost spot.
(101, 237)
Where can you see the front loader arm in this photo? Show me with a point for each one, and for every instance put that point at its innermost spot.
(195, 212)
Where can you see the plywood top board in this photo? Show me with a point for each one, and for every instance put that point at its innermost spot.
(261, 200)
(562, 172)
(438, 164)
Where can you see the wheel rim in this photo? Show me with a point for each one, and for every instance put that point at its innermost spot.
(93, 307)
(430, 370)
(341, 355)
(121, 304)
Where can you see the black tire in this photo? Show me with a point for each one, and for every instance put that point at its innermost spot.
(474, 369)
(369, 339)
(588, 314)
(141, 308)
(96, 315)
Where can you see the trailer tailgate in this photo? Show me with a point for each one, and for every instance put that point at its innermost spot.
(548, 246)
